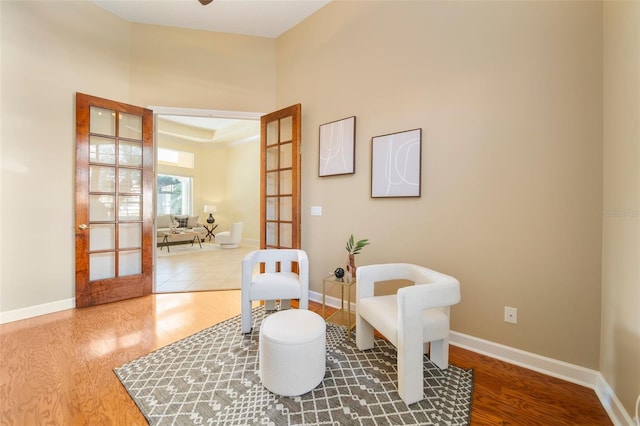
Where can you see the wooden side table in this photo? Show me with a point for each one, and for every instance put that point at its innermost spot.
(342, 316)
(210, 228)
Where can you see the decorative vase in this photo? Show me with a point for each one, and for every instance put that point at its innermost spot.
(351, 266)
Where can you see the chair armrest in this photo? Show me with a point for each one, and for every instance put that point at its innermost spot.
(426, 296)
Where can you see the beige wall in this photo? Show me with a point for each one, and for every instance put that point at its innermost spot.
(509, 99)
(199, 69)
(50, 51)
(243, 187)
(620, 342)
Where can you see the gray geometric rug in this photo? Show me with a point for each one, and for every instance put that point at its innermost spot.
(211, 378)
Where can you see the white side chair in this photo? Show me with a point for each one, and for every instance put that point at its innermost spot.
(278, 281)
(410, 319)
(231, 238)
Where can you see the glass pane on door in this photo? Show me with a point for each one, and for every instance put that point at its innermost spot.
(286, 236)
(285, 208)
(130, 262)
(102, 237)
(101, 208)
(285, 155)
(102, 266)
(102, 150)
(286, 182)
(272, 132)
(130, 180)
(272, 205)
(286, 129)
(129, 207)
(272, 183)
(272, 158)
(130, 235)
(103, 121)
(102, 179)
(130, 126)
(272, 234)
(130, 154)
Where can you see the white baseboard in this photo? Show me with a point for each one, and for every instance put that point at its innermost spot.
(34, 311)
(334, 302)
(611, 403)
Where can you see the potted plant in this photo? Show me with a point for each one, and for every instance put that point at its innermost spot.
(354, 248)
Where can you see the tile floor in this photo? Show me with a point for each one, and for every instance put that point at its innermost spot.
(187, 268)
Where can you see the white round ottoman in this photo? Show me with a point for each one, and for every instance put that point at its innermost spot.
(292, 351)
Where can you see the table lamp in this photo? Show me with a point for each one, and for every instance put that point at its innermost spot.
(210, 210)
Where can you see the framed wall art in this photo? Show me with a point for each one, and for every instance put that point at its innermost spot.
(337, 147)
(396, 164)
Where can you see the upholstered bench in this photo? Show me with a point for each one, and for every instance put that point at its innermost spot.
(292, 351)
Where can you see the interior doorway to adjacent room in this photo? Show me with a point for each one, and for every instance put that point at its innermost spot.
(213, 151)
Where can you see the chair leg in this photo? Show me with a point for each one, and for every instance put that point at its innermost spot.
(364, 334)
(246, 317)
(440, 353)
(303, 303)
(411, 372)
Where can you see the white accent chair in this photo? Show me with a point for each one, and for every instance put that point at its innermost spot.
(231, 238)
(276, 282)
(410, 319)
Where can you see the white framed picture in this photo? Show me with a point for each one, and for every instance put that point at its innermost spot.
(396, 164)
(337, 147)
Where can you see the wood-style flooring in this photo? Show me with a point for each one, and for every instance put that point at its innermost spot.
(58, 369)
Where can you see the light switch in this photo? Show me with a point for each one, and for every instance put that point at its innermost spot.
(316, 210)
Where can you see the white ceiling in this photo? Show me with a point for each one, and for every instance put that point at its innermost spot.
(226, 131)
(264, 18)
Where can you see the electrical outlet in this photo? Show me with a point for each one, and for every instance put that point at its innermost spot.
(510, 315)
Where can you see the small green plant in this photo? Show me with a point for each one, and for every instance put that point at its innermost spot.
(355, 247)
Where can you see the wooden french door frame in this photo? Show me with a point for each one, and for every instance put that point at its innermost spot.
(280, 172)
(121, 238)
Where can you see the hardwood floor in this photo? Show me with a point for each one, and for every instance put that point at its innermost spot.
(58, 368)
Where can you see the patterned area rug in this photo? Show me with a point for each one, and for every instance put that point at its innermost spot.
(211, 377)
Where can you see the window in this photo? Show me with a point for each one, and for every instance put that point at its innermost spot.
(175, 195)
(171, 157)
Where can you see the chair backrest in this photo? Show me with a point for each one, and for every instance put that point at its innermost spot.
(431, 288)
(271, 258)
(235, 232)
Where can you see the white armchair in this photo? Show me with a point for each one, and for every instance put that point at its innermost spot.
(230, 238)
(278, 281)
(409, 319)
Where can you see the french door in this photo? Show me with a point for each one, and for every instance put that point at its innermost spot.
(114, 201)
(280, 178)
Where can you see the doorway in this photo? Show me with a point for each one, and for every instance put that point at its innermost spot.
(220, 148)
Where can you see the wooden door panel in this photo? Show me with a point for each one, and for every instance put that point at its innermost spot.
(114, 200)
(280, 178)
